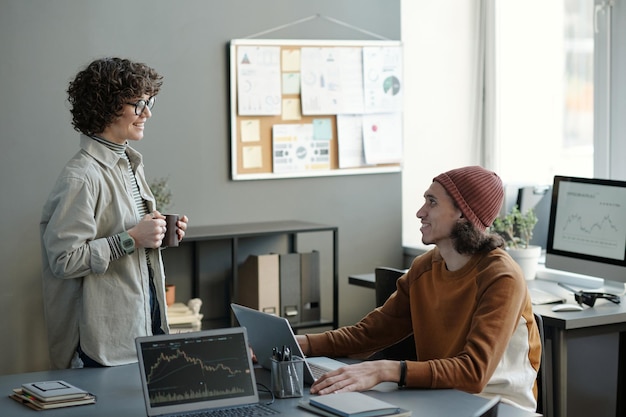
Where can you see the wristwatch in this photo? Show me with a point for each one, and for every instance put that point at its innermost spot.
(128, 243)
(402, 381)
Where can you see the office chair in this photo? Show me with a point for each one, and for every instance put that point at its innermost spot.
(542, 386)
(490, 409)
(386, 278)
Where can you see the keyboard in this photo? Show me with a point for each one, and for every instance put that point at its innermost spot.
(539, 297)
(317, 371)
(255, 410)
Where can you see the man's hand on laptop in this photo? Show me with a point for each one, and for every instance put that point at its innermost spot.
(358, 377)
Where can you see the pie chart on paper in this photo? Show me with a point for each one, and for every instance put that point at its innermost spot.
(391, 85)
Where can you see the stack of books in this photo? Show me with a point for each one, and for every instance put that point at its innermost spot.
(46, 395)
(185, 318)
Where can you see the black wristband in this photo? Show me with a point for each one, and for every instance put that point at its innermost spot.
(402, 381)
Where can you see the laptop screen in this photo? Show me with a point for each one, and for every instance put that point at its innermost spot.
(192, 371)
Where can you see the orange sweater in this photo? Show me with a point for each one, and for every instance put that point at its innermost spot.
(474, 328)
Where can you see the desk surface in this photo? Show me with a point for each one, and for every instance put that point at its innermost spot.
(363, 280)
(603, 313)
(118, 393)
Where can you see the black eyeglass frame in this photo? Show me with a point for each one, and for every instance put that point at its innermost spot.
(143, 103)
(589, 298)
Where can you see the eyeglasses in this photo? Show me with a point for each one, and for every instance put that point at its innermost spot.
(589, 298)
(141, 105)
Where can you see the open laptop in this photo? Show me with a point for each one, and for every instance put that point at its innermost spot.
(186, 373)
(266, 331)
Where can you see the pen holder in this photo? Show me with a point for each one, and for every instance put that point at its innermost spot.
(288, 378)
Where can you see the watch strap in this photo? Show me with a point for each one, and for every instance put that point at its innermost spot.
(402, 381)
(127, 243)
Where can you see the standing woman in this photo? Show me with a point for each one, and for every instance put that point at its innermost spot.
(103, 277)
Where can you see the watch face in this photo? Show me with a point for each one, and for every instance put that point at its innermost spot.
(128, 244)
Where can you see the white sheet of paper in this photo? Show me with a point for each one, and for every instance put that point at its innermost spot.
(382, 80)
(331, 81)
(350, 140)
(258, 80)
(382, 138)
(295, 150)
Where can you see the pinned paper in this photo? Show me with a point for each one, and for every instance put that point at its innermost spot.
(291, 60)
(291, 109)
(250, 131)
(322, 129)
(252, 157)
(291, 83)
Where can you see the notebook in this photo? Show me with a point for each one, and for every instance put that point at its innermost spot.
(266, 331)
(185, 373)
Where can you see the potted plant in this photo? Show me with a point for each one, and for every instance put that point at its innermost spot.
(517, 230)
(162, 194)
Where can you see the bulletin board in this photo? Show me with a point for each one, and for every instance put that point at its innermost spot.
(304, 108)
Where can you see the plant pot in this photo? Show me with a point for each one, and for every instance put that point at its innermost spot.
(170, 294)
(527, 259)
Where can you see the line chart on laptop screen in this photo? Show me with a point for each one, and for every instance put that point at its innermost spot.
(197, 370)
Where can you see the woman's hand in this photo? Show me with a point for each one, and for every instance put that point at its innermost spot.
(182, 226)
(150, 230)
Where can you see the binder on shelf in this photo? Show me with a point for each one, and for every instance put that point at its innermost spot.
(258, 285)
(310, 286)
(289, 264)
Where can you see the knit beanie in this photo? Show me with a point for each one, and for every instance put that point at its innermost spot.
(476, 191)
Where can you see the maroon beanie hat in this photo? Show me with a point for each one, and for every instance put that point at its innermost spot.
(476, 191)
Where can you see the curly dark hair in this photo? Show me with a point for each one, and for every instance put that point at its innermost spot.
(99, 92)
(468, 240)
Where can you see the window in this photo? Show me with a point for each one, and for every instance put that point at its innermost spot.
(544, 78)
(558, 103)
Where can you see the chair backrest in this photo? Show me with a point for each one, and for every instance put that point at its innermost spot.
(385, 278)
(541, 375)
(490, 409)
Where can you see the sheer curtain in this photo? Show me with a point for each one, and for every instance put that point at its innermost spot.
(444, 46)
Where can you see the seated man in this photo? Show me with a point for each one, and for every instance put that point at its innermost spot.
(465, 301)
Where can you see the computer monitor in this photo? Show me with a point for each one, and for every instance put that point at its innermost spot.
(587, 229)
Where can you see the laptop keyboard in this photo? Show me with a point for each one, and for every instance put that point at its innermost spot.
(317, 371)
(256, 410)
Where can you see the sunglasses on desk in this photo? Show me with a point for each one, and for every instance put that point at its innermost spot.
(589, 298)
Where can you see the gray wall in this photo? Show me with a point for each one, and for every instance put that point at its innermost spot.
(42, 45)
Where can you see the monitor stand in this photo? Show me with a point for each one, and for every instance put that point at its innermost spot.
(582, 282)
(614, 287)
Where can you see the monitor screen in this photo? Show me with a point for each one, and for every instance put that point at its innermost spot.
(587, 229)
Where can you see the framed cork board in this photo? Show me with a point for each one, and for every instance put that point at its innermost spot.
(315, 108)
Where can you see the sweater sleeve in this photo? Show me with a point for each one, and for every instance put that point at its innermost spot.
(382, 327)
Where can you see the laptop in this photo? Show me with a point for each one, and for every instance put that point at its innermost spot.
(266, 331)
(187, 373)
